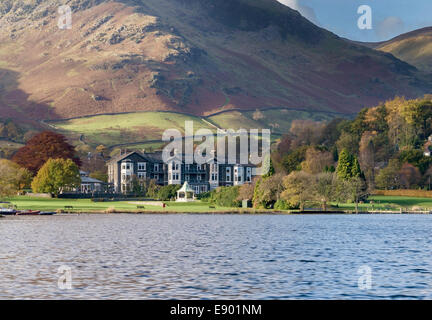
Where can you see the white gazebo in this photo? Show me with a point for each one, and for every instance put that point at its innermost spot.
(186, 193)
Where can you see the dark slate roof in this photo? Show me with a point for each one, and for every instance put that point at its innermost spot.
(157, 157)
(90, 180)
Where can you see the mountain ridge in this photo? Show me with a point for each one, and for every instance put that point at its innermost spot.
(196, 56)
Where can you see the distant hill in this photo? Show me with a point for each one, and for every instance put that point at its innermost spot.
(196, 57)
(413, 47)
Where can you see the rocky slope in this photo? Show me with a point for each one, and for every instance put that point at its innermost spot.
(191, 56)
(413, 47)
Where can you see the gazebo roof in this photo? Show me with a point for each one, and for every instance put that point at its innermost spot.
(186, 188)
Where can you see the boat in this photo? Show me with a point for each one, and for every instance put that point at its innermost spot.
(44, 213)
(28, 213)
(7, 212)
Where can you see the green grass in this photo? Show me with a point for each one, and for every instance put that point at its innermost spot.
(137, 128)
(278, 120)
(131, 128)
(86, 205)
(390, 203)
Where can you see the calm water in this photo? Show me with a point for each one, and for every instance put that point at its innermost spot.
(205, 257)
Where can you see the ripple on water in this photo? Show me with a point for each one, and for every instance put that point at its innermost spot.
(208, 257)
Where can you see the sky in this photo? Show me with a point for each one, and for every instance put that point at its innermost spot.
(389, 17)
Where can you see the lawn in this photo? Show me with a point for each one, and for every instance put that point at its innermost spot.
(86, 205)
(390, 203)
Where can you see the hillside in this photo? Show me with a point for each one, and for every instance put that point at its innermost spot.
(196, 57)
(413, 47)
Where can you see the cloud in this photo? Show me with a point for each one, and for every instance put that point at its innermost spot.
(305, 11)
(389, 28)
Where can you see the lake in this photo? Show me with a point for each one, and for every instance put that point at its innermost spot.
(217, 257)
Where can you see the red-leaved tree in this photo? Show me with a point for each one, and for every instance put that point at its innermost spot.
(43, 146)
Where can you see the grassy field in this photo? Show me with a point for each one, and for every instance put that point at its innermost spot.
(278, 120)
(86, 205)
(126, 128)
(137, 128)
(391, 203)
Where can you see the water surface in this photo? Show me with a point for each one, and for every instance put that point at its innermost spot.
(216, 256)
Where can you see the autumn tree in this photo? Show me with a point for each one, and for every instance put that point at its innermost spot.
(367, 157)
(268, 191)
(246, 191)
(55, 176)
(43, 146)
(316, 161)
(409, 176)
(13, 178)
(299, 188)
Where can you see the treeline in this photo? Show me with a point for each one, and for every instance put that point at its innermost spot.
(389, 141)
(386, 147)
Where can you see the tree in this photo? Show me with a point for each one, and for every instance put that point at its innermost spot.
(13, 178)
(409, 176)
(44, 146)
(268, 191)
(292, 161)
(348, 166)
(367, 156)
(316, 161)
(326, 188)
(298, 188)
(246, 191)
(355, 190)
(168, 192)
(55, 176)
(388, 177)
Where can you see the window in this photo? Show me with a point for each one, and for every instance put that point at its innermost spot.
(249, 174)
(187, 167)
(228, 174)
(187, 177)
(156, 177)
(142, 175)
(199, 177)
(156, 167)
(142, 166)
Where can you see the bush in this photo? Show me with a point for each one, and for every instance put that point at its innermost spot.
(225, 197)
(282, 205)
(168, 192)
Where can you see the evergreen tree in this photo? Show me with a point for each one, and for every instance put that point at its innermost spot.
(348, 166)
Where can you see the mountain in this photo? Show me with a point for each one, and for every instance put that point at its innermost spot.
(192, 56)
(413, 47)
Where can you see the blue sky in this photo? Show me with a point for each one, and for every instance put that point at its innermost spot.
(389, 17)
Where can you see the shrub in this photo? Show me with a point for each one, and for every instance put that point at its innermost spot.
(282, 205)
(168, 192)
(225, 197)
